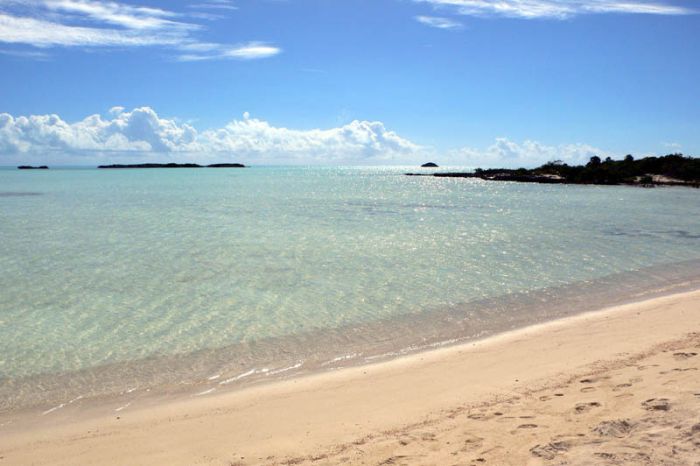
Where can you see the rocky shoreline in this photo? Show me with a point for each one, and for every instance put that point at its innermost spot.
(670, 170)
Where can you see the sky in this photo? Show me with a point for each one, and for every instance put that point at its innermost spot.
(458, 82)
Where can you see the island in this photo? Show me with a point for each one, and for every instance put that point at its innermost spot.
(174, 165)
(669, 170)
(226, 165)
(30, 167)
(429, 165)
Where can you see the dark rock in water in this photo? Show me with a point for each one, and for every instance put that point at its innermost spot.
(429, 165)
(29, 167)
(153, 165)
(226, 165)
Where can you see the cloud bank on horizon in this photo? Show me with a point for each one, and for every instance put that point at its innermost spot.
(96, 24)
(141, 134)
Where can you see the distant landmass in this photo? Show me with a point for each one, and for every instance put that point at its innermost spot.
(174, 165)
(669, 170)
(30, 167)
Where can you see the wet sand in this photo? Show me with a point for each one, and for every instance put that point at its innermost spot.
(617, 386)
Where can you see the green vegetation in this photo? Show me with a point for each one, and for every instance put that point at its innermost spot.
(674, 168)
(628, 170)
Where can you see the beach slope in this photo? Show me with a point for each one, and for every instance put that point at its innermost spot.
(617, 386)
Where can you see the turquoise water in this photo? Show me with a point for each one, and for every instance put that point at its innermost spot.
(109, 267)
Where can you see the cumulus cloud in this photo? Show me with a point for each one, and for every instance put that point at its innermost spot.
(92, 23)
(142, 132)
(558, 9)
(506, 153)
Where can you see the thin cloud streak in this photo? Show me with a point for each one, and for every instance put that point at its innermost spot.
(89, 23)
(556, 9)
(40, 33)
(249, 51)
(439, 22)
(127, 16)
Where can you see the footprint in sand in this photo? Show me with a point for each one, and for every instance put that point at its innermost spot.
(657, 404)
(617, 428)
(588, 389)
(472, 442)
(393, 459)
(527, 426)
(585, 407)
(550, 450)
(682, 356)
(643, 368)
(620, 386)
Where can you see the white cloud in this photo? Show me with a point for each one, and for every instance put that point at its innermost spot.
(672, 145)
(40, 33)
(439, 22)
(142, 133)
(557, 9)
(249, 51)
(215, 5)
(252, 50)
(127, 16)
(91, 23)
(33, 54)
(506, 153)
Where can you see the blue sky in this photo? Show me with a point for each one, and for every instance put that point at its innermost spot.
(465, 82)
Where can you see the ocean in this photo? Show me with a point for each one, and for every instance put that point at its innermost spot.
(115, 284)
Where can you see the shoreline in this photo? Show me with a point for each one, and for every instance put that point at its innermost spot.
(170, 378)
(310, 415)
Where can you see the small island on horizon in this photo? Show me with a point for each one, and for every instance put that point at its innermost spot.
(669, 170)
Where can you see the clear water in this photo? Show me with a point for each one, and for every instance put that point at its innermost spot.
(107, 268)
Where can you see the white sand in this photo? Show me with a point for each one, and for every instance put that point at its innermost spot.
(572, 391)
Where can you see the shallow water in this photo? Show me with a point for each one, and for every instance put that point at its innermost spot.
(116, 278)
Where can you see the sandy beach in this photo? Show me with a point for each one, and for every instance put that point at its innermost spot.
(616, 386)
